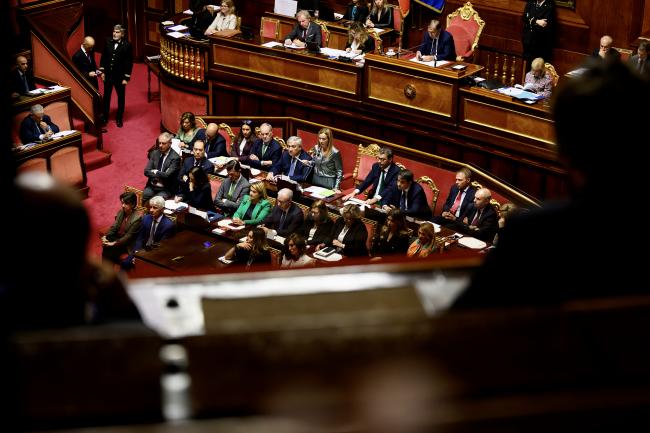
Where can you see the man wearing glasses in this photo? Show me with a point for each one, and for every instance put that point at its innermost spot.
(285, 218)
(382, 177)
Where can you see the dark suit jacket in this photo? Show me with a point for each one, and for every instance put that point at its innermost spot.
(467, 202)
(117, 63)
(164, 230)
(487, 223)
(446, 49)
(242, 189)
(234, 149)
(213, 148)
(86, 65)
(323, 232)
(300, 173)
(168, 174)
(132, 229)
(417, 206)
(292, 223)
(200, 198)
(361, 14)
(313, 34)
(30, 131)
(17, 83)
(273, 153)
(355, 239)
(188, 164)
(613, 53)
(386, 20)
(398, 244)
(634, 64)
(372, 180)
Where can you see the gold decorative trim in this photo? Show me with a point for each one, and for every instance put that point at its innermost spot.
(426, 180)
(467, 12)
(371, 150)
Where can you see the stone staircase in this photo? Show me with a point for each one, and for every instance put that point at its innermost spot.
(93, 157)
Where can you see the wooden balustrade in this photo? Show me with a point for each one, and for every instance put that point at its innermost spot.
(183, 59)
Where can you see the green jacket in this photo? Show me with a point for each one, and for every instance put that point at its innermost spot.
(261, 210)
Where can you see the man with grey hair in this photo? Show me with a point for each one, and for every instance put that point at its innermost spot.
(116, 65)
(156, 227)
(285, 218)
(291, 163)
(266, 152)
(605, 50)
(304, 31)
(162, 170)
(37, 126)
(84, 60)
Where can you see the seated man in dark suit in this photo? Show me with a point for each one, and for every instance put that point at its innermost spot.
(409, 197)
(156, 227)
(84, 60)
(304, 31)
(266, 152)
(381, 179)
(286, 217)
(640, 61)
(356, 11)
(197, 159)
(232, 189)
(605, 50)
(22, 79)
(479, 220)
(162, 170)
(215, 144)
(37, 126)
(437, 44)
(460, 198)
(291, 162)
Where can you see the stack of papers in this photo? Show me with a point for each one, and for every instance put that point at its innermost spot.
(167, 23)
(227, 223)
(178, 28)
(320, 192)
(63, 133)
(272, 44)
(519, 93)
(576, 72)
(473, 243)
(177, 35)
(436, 64)
(172, 205)
(219, 160)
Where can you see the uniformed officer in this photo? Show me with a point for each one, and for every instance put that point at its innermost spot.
(116, 65)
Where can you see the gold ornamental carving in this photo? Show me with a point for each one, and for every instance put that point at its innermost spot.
(409, 91)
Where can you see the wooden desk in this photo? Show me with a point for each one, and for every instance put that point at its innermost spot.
(286, 70)
(405, 86)
(24, 102)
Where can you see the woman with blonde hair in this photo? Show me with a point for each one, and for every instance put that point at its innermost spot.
(349, 235)
(381, 15)
(254, 207)
(426, 242)
(538, 80)
(225, 19)
(359, 40)
(326, 162)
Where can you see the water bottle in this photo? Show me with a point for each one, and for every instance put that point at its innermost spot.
(175, 383)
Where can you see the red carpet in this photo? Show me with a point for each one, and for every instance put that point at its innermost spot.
(128, 145)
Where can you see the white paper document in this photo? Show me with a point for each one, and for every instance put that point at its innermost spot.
(167, 23)
(178, 28)
(431, 63)
(319, 191)
(63, 133)
(176, 35)
(172, 205)
(272, 44)
(286, 7)
(199, 213)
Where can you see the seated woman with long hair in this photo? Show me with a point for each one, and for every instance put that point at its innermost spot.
(349, 235)
(187, 130)
(254, 250)
(197, 192)
(381, 15)
(294, 255)
(243, 143)
(318, 224)
(326, 162)
(121, 237)
(426, 243)
(225, 19)
(359, 40)
(392, 238)
(254, 207)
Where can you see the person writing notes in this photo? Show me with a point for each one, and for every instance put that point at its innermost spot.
(304, 31)
(359, 41)
(437, 44)
(538, 80)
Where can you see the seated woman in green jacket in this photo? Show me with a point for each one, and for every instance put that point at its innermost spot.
(254, 207)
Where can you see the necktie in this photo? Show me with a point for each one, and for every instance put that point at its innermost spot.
(434, 44)
(380, 184)
(403, 204)
(456, 205)
(160, 161)
(231, 190)
(282, 220)
(25, 85)
(264, 148)
(154, 224)
(640, 64)
(304, 34)
(476, 218)
(293, 167)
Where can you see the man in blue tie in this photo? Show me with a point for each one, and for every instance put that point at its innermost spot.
(292, 162)
(437, 44)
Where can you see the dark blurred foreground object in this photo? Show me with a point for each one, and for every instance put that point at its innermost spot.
(570, 250)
